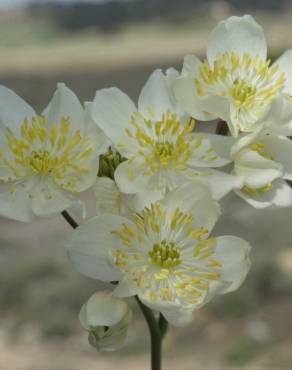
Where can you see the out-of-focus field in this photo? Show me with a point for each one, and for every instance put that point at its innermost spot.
(41, 294)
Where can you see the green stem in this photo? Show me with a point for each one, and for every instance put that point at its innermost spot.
(155, 335)
(163, 325)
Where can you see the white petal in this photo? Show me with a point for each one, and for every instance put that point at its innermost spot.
(243, 141)
(82, 180)
(17, 204)
(78, 209)
(220, 183)
(48, 199)
(256, 170)
(284, 63)
(82, 317)
(133, 203)
(215, 287)
(239, 35)
(145, 198)
(245, 120)
(280, 195)
(171, 75)
(185, 92)
(112, 110)
(191, 64)
(194, 198)
(107, 196)
(86, 180)
(90, 246)
(65, 104)
(156, 98)
(115, 336)
(113, 339)
(175, 314)
(178, 317)
(278, 120)
(204, 108)
(109, 199)
(130, 183)
(104, 309)
(233, 253)
(220, 155)
(125, 288)
(101, 142)
(13, 109)
(280, 148)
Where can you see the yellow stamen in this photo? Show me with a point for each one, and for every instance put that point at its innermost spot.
(46, 150)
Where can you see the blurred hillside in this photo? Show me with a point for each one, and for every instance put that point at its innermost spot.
(41, 39)
(110, 15)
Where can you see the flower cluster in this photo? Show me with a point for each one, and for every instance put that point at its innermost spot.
(156, 177)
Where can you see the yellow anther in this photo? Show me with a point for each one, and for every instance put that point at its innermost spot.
(167, 271)
(254, 191)
(162, 143)
(41, 149)
(200, 232)
(259, 148)
(249, 81)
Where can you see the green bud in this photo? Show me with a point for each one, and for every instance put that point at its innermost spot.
(109, 162)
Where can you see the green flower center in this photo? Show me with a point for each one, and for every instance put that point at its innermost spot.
(165, 254)
(242, 92)
(40, 161)
(109, 162)
(164, 152)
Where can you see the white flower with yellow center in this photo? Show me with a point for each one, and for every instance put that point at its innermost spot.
(264, 160)
(158, 140)
(106, 318)
(235, 82)
(164, 253)
(45, 160)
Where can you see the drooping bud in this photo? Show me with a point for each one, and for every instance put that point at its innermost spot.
(106, 318)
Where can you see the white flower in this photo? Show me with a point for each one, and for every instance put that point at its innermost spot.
(106, 318)
(264, 160)
(236, 82)
(157, 139)
(45, 160)
(164, 253)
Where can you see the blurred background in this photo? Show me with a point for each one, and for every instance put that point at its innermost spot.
(95, 44)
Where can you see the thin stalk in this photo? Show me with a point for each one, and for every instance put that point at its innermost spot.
(163, 325)
(69, 219)
(155, 335)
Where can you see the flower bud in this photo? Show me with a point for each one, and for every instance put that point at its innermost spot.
(108, 163)
(106, 318)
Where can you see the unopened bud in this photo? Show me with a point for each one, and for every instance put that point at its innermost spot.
(106, 318)
(108, 163)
